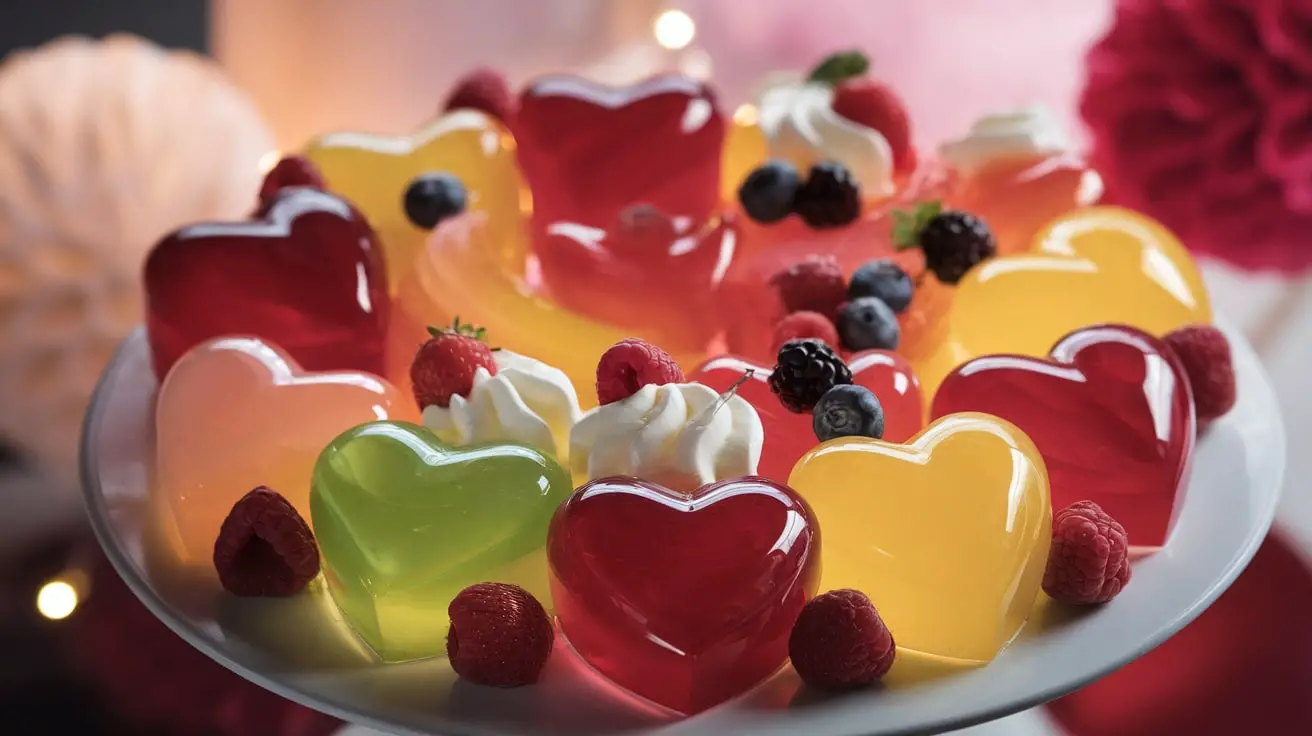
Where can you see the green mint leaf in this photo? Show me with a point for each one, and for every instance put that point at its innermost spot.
(839, 67)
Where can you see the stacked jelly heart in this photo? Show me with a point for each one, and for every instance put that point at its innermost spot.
(381, 378)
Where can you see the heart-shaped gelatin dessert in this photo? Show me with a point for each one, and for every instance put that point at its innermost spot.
(684, 599)
(588, 150)
(1110, 411)
(1097, 265)
(948, 534)
(405, 523)
(789, 435)
(238, 412)
(309, 276)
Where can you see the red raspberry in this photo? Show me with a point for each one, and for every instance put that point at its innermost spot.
(631, 364)
(1205, 354)
(291, 171)
(486, 90)
(1089, 561)
(839, 642)
(813, 284)
(447, 363)
(500, 635)
(801, 325)
(875, 105)
(265, 548)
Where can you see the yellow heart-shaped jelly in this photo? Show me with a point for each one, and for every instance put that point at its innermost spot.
(374, 171)
(947, 534)
(1095, 265)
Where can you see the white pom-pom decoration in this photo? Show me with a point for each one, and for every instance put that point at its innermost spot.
(105, 146)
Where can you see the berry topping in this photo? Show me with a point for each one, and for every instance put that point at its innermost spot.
(953, 241)
(432, 198)
(291, 171)
(839, 642)
(631, 364)
(643, 229)
(882, 279)
(766, 195)
(500, 635)
(1205, 354)
(802, 325)
(486, 90)
(1088, 562)
(848, 411)
(875, 105)
(868, 324)
(805, 371)
(813, 284)
(830, 197)
(447, 363)
(265, 548)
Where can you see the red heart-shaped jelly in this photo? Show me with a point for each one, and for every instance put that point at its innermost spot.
(788, 435)
(588, 150)
(309, 276)
(1110, 411)
(685, 600)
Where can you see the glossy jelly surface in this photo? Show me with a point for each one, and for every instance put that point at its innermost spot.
(684, 600)
(308, 276)
(789, 435)
(948, 534)
(374, 171)
(405, 523)
(1098, 265)
(238, 412)
(1111, 413)
(588, 150)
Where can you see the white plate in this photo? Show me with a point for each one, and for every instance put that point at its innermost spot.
(300, 649)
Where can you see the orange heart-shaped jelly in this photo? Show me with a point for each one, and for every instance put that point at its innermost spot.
(948, 534)
(238, 412)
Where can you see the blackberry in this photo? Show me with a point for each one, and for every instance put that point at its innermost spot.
(953, 242)
(805, 371)
(830, 197)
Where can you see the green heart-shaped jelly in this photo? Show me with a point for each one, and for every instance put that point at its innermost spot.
(406, 522)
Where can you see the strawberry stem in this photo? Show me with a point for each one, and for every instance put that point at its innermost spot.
(839, 67)
(459, 328)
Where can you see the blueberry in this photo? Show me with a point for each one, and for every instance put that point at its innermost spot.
(848, 411)
(767, 193)
(433, 197)
(868, 324)
(885, 280)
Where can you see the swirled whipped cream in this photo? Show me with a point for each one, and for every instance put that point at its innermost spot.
(800, 125)
(527, 401)
(1028, 132)
(681, 435)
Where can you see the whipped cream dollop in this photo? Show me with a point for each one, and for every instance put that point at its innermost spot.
(681, 435)
(1027, 132)
(527, 401)
(800, 125)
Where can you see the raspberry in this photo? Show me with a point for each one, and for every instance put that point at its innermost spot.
(813, 284)
(801, 325)
(500, 635)
(265, 548)
(875, 105)
(830, 197)
(839, 642)
(804, 371)
(446, 365)
(291, 171)
(485, 90)
(1089, 561)
(1205, 354)
(631, 364)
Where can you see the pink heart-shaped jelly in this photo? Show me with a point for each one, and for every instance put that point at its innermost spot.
(1110, 411)
(788, 435)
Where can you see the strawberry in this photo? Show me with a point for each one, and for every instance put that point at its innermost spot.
(485, 90)
(447, 363)
(875, 105)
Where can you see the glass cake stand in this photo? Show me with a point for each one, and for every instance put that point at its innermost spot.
(301, 649)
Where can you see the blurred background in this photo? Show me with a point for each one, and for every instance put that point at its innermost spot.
(105, 146)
